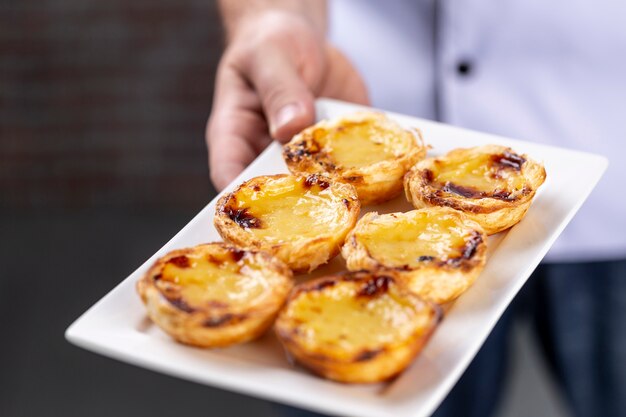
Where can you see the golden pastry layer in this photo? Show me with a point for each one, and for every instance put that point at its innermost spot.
(365, 149)
(215, 294)
(438, 252)
(303, 220)
(491, 184)
(355, 327)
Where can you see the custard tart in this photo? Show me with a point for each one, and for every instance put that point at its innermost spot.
(366, 149)
(492, 184)
(215, 295)
(438, 252)
(356, 327)
(303, 220)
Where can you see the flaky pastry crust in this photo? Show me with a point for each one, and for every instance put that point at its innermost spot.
(492, 184)
(215, 295)
(365, 149)
(303, 220)
(355, 327)
(438, 252)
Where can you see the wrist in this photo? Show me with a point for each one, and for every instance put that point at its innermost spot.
(250, 25)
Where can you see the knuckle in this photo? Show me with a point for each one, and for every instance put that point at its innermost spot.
(276, 96)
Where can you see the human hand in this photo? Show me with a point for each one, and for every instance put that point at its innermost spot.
(273, 68)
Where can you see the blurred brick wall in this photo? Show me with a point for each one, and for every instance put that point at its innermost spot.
(104, 102)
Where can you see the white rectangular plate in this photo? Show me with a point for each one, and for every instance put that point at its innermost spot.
(116, 326)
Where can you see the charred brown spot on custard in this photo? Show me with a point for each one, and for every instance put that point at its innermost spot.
(354, 179)
(296, 153)
(328, 166)
(375, 286)
(180, 261)
(470, 192)
(502, 195)
(471, 245)
(427, 175)
(508, 160)
(301, 150)
(437, 198)
(467, 192)
(223, 320)
(346, 203)
(236, 254)
(315, 179)
(319, 285)
(214, 258)
(367, 354)
(467, 251)
(243, 217)
(256, 187)
(181, 304)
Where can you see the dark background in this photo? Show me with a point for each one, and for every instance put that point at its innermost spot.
(103, 106)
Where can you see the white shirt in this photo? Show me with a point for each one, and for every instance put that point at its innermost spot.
(547, 71)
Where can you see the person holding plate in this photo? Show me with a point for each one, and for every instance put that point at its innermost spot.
(550, 72)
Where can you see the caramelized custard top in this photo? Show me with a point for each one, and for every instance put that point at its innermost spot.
(356, 315)
(473, 173)
(352, 143)
(355, 145)
(286, 208)
(212, 276)
(406, 240)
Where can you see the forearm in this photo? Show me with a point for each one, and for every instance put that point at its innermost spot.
(235, 12)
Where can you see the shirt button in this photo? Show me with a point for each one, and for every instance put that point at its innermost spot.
(464, 68)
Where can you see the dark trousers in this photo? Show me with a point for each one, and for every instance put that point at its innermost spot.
(578, 311)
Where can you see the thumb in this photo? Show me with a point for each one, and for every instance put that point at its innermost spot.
(287, 101)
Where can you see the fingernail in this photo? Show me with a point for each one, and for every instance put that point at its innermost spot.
(285, 115)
